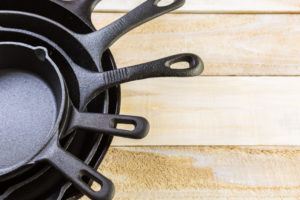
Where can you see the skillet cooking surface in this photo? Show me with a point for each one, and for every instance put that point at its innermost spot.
(23, 113)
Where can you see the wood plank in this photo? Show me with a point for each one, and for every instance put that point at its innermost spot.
(211, 6)
(228, 44)
(216, 110)
(224, 111)
(256, 173)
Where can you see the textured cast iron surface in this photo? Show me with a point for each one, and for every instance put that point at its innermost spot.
(27, 113)
(90, 46)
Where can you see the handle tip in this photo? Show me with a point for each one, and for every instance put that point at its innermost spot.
(142, 128)
(196, 64)
(108, 192)
(195, 68)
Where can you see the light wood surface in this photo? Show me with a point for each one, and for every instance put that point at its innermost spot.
(228, 44)
(247, 95)
(212, 6)
(163, 173)
(217, 109)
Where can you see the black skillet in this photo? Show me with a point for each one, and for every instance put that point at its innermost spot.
(90, 82)
(12, 36)
(6, 35)
(36, 108)
(88, 46)
(153, 69)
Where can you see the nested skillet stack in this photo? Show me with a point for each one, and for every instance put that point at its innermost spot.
(61, 36)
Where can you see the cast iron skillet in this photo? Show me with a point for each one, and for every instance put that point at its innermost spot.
(89, 82)
(78, 120)
(88, 46)
(36, 108)
(11, 35)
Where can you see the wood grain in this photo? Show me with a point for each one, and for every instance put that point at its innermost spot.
(228, 44)
(220, 108)
(162, 173)
(216, 110)
(211, 6)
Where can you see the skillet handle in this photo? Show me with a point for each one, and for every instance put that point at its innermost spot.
(105, 37)
(96, 83)
(107, 124)
(81, 8)
(158, 68)
(74, 170)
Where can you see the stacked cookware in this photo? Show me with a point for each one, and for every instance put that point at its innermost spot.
(60, 95)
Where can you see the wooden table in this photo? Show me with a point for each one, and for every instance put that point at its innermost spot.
(228, 133)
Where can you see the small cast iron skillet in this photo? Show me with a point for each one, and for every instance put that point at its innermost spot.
(36, 108)
(86, 49)
(73, 144)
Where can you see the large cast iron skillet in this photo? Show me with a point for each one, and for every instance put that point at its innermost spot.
(88, 46)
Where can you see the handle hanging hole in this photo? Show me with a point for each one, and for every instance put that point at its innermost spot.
(180, 65)
(163, 3)
(124, 124)
(96, 187)
(125, 127)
